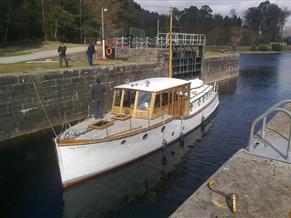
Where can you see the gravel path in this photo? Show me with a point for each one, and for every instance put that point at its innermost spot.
(38, 55)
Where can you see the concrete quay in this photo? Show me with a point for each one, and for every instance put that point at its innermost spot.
(263, 187)
(259, 179)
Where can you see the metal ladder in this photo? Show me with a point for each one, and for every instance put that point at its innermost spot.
(277, 148)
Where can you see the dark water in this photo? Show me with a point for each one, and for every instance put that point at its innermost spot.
(156, 185)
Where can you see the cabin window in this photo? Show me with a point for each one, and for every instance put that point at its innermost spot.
(176, 96)
(129, 97)
(165, 99)
(117, 97)
(170, 97)
(157, 101)
(144, 100)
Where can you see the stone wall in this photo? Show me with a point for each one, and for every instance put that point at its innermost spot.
(220, 67)
(68, 92)
(62, 92)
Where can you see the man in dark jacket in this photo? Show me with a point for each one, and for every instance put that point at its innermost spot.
(98, 99)
(62, 49)
(90, 53)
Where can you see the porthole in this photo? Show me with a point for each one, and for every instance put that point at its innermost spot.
(123, 142)
(163, 129)
(173, 133)
(145, 136)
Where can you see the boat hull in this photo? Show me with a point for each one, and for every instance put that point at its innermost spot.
(80, 162)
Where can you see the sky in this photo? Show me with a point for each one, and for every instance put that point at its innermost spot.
(218, 6)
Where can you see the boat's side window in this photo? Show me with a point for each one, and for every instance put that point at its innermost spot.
(157, 101)
(129, 97)
(117, 97)
(165, 99)
(176, 96)
(144, 100)
(170, 97)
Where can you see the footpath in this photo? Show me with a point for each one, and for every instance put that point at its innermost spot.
(38, 55)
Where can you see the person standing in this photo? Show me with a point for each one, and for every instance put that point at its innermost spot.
(234, 48)
(62, 49)
(90, 53)
(98, 99)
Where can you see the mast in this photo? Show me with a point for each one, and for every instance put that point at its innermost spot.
(170, 45)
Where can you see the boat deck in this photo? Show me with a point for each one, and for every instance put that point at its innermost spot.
(118, 127)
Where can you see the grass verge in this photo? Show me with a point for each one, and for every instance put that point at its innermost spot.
(28, 67)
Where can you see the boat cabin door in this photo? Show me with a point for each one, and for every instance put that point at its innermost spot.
(176, 108)
(179, 101)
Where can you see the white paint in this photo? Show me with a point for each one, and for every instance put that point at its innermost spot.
(154, 84)
(80, 161)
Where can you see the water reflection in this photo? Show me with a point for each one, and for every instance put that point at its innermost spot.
(137, 182)
(155, 186)
(227, 87)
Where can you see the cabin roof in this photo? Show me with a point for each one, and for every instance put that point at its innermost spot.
(154, 84)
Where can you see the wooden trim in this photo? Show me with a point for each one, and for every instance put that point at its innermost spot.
(125, 131)
(121, 101)
(109, 123)
(69, 142)
(152, 106)
(65, 142)
(135, 103)
(82, 179)
(121, 116)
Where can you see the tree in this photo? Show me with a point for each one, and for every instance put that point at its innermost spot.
(267, 20)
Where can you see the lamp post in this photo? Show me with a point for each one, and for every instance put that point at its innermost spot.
(103, 38)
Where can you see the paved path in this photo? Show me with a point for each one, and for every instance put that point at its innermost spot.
(38, 55)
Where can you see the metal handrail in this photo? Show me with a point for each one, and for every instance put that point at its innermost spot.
(181, 39)
(274, 108)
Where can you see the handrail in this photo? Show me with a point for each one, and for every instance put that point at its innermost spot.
(274, 108)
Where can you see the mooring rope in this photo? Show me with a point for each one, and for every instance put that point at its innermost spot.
(43, 108)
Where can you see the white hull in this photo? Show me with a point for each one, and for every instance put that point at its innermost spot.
(78, 162)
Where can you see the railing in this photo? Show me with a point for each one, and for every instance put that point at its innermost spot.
(182, 39)
(161, 41)
(132, 42)
(262, 134)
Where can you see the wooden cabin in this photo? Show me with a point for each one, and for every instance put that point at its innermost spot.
(152, 98)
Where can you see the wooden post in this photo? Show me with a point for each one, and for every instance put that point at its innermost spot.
(170, 45)
(135, 103)
(121, 101)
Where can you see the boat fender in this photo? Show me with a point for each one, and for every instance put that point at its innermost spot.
(164, 144)
(164, 161)
(182, 137)
(203, 119)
